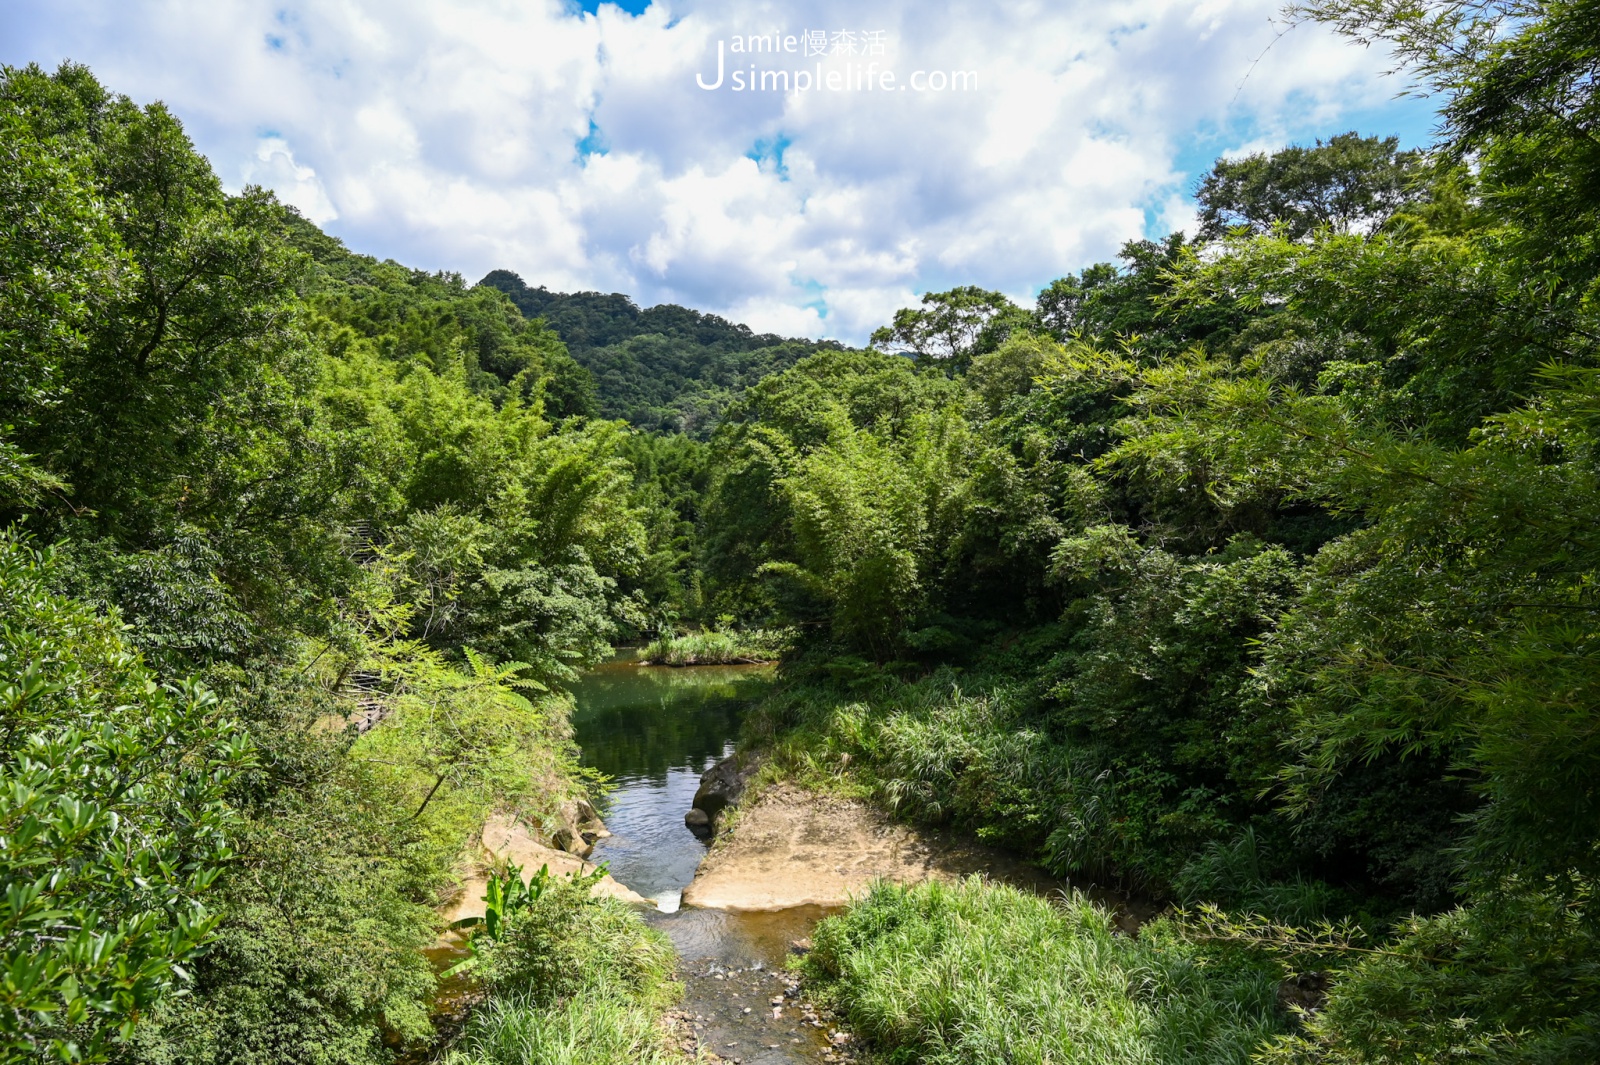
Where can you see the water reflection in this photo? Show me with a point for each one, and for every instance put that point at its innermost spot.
(654, 730)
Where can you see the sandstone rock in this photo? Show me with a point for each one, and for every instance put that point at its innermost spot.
(505, 839)
(565, 839)
(797, 848)
(578, 828)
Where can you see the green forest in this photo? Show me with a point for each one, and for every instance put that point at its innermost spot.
(1256, 574)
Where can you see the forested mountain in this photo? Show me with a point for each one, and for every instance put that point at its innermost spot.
(1254, 574)
(664, 368)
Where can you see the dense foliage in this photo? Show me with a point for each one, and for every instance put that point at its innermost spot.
(1255, 573)
(300, 548)
(971, 973)
(1257, 570)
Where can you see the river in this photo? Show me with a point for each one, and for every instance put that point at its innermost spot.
(653, 731)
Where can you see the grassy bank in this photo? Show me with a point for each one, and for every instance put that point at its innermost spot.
(717, 648)
(573, 979)
(974, 972)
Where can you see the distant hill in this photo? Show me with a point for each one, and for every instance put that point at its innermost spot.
(666, 367)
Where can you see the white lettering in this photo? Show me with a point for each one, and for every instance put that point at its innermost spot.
(698, 80)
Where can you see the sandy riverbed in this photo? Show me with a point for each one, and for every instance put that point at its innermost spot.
(791, 847)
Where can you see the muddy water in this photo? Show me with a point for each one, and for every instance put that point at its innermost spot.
(654, 730)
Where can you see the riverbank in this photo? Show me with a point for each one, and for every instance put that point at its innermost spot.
(793, 847)
(929, 943)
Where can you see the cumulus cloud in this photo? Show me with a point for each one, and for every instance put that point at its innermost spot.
(275, 168)
(577, 148)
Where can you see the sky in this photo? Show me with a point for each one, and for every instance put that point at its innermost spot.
(910, 145)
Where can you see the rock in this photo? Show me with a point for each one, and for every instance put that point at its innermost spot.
(699, 822)
(565, 839)
(1307, 991)
(723, 784)
(578, 828)
(508, 840)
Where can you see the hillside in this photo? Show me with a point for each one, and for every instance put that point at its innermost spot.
(665, 368)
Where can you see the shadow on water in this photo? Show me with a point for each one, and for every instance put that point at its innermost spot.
(653, 730)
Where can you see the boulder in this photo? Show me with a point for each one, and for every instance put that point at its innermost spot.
(578, 827)
(723, 784)
(565, 839)
(699, 821)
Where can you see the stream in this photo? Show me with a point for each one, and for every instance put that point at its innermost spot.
(653, 730)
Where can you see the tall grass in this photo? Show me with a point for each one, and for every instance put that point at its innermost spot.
(717, 648)
(976, 972)
(575, 980)
(930, 751)
(589, 1028)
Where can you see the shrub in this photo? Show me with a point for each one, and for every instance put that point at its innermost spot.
(114, 825)
(717, 648)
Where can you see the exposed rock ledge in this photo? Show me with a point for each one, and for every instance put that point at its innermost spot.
(510, 840)
(792, 847)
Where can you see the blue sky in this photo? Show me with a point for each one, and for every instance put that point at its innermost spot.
(578, 144)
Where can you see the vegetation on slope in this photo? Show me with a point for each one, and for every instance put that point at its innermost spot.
(665, 368)
(574, 978)
(301, 547)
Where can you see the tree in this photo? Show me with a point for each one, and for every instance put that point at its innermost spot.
(114, 824)
(196, 312)
(1132, 304)
(56, 246)
(1346, 182)
(952, 327)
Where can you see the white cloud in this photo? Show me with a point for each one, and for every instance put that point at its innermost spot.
(275, 168)
(577, 149)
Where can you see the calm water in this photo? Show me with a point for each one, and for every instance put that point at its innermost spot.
(654, 730)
